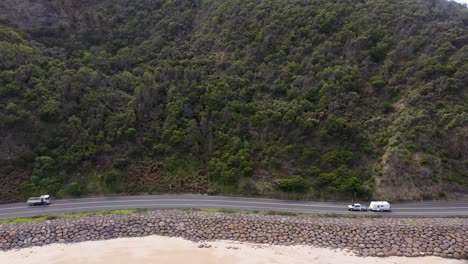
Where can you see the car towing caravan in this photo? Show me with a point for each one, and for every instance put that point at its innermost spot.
(379, 206)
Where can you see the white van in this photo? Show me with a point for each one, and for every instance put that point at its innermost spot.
(379, 206)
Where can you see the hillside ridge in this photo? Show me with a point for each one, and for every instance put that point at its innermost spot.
(294, 99)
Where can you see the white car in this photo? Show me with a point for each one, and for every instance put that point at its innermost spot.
(356, 207)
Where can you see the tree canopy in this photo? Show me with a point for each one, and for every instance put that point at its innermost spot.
(328, 99)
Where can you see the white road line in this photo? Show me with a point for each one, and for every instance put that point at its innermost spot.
(429, 208)
(13, 208)
(248, 202)
(225, 201)
(172, 205)
(185, 200)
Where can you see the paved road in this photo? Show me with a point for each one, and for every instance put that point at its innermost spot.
(426, 209)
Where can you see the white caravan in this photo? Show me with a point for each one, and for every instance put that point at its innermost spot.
(379, 206)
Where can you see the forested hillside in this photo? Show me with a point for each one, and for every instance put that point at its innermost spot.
(311, 99)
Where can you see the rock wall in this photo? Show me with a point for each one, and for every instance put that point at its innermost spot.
(446, 237)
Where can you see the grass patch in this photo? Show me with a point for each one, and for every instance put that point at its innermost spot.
(285, 213)
(322, 215)
(281, 213)
(410, 222)
(104, 212)
(224, 211)
(352, 215)
(23, 220)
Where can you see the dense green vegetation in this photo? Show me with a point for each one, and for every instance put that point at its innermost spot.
(314, 99)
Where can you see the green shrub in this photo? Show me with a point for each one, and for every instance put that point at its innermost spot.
(160, 149)
(336, 157)
(155, 190)
(60, 194)
(120, 164)
(113, 177)
(338, 128)
(213, 191)
(105, 148)
(29, 189)
(410, 136)
(177, 137)
(229, 166)
(312, 172)
(248, 187)
(176, 165)
(94, 183)
(274, 163)
(377, 81)
(424, 160)
(136, 151)
(131, 133)
(388, 108)
(294, 184)
(381, 140)
(12, 107)
(411, 147)
(49, 111)
(74, 189)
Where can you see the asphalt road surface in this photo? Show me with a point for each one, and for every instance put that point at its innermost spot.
(414, 209)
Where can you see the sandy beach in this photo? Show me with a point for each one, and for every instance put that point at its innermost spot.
(157, 249)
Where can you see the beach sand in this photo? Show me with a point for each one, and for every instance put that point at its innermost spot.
(157, 249)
